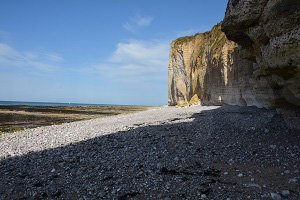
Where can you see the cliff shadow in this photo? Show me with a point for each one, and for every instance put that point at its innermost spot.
(179, 159)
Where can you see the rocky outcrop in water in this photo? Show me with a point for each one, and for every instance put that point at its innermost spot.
(253, 61)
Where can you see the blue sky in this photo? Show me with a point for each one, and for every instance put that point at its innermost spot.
(88, 51)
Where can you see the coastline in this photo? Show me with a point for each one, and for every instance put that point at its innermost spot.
(19, 117)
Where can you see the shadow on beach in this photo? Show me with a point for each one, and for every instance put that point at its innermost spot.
(229, 152)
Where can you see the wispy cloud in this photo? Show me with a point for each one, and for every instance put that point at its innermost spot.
(136, 61)
(137, 22)
(54, 57)
(42, 61)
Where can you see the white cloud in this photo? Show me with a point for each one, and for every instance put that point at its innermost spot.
(143, 21)
(136, 61)
(137, 22)
(10, 57)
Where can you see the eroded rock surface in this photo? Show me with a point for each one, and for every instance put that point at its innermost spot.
(211, 66)
(269, 34)
(253, 61)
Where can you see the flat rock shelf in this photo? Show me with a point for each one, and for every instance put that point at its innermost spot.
(194, 152)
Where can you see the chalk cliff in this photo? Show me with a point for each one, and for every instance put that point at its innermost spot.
(210, 66)
(268, 32)
(251, 59)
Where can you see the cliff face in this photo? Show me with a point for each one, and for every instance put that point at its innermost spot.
(210, 66)
(260, 68)
(268, 32)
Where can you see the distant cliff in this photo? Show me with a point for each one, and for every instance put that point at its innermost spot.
(209, 69)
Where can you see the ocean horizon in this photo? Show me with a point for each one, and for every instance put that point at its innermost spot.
(30, 103)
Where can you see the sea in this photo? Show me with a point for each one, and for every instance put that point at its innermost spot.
(28, 103)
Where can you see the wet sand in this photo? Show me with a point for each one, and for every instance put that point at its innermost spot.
(19, 117)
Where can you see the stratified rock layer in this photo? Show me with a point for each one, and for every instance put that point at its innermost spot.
(258, 65)
(269, 34)
(210, 66)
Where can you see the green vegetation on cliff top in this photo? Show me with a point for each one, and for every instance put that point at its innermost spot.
(215, 32)
(185, 39)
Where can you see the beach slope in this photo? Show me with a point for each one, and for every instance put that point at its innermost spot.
(162, 153)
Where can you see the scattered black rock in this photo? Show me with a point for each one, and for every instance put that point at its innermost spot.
(128, 195)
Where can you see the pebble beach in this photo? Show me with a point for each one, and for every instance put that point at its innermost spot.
(197, 152)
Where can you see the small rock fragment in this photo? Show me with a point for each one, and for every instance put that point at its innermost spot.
(266, 130)
(275, 196)
(293, 180)
(252, 185)
(285, 193)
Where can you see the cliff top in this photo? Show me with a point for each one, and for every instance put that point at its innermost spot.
(179, 41)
